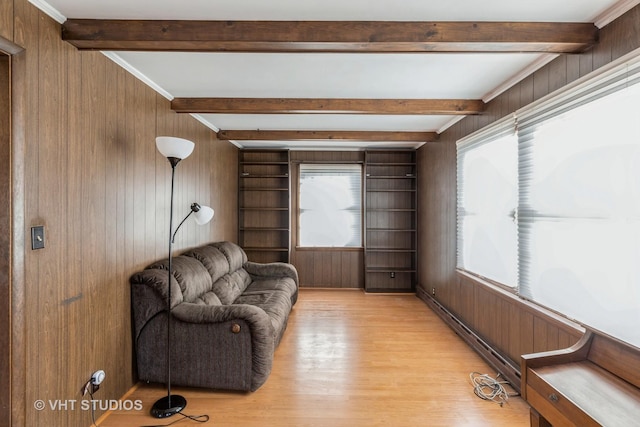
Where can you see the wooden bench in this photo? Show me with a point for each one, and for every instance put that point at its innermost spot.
(596, 382)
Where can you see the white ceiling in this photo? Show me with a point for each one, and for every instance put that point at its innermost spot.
(336, 10)
(331, 75)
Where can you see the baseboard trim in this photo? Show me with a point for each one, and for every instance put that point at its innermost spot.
(490, 355)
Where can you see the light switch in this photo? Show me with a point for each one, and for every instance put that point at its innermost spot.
(37, 237)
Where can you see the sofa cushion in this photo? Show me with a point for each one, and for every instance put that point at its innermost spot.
(234, 254)
(193, 278)
(277, 305)
(156, 279)
(213, 260)
(230, 286)
(286, 284)
(209, 298)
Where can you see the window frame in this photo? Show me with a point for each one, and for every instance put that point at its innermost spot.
(612, 78)
(503, 128)
(298, 244)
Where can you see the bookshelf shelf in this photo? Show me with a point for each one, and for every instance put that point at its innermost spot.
(264, 204)
(390, 220)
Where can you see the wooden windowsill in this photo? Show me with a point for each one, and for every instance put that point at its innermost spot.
(328, 249)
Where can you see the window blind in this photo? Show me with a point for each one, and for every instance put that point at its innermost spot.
(330, 205)
(487, 198)
(579, 202)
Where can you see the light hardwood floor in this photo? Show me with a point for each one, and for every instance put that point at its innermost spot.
(352, 359)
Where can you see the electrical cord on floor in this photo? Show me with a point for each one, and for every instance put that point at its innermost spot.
(197, 418)
(487, 388)
(93, 409)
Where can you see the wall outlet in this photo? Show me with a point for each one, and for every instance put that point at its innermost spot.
(94, 382)
(97, 377)
(433, 291)
(392, 274)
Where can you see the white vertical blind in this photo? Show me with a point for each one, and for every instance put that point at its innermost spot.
(579, 214)
(330, 205)
(577, 196)
(487, 198)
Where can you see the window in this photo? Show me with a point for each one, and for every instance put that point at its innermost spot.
(330, 205)
(487, 197)
(578, 203)
(580, 213)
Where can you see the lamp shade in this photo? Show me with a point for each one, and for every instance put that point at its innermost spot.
(171, 146)
(204, 215)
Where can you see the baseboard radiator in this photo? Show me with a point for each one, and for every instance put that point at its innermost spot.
(491, 356)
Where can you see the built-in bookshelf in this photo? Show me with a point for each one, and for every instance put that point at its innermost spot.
(390, 221)
(264, 204)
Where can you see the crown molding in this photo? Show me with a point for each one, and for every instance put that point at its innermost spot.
(614, 12)
(214, 128)
(540, 62)
(49, 10)
(136, 73)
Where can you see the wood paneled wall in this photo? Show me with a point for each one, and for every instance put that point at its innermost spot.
(511, 325)
(94, 179)
(5, 240)
(324, 268)
(6, 19)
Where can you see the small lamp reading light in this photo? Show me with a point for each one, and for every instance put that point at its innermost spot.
(175, 150)
(202, 215)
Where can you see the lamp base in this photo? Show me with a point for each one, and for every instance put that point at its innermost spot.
(168, 406)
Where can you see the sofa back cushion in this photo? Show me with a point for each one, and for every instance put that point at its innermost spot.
(213, 260)
(231, 286)
(192, 277)
(156, 279)
(234, 254)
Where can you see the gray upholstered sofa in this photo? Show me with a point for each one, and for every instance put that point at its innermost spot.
(228, 316)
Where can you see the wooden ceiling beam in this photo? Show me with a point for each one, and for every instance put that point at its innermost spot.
(329, 36)
(327, 106)
(302, 135)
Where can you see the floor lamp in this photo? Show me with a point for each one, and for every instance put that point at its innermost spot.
(175, 149)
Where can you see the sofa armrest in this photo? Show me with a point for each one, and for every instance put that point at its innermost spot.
(199, 313)
(215, 346)
(260, 326)
(272, 269)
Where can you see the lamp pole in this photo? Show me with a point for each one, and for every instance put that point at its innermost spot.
(175, 150)
(169, 405)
